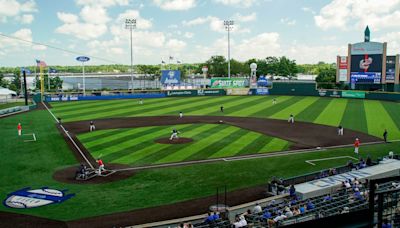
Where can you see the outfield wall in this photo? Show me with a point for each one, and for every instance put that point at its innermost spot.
(281, 88)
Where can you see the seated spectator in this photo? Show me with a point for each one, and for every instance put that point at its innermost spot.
(267, 215)
(240, 221)
(288, 213)
(347, 184)
(350, 165)
(310, 205)
(292, 190)
(210, 218)
(215, 216)
(328, 197)
(257, 209)
(188, 225)
(279, 217)
(296, 211)
(302, 209)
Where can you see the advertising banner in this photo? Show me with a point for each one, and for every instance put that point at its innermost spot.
(343, 63)
(366, 69)
(328, 93)
(370, 48)
(211, 92)
(170, 77)
(238, 91)
(390, 68)
(353, 94)
(262, 81)
(365, 78)
(228, 83)
(181, 93)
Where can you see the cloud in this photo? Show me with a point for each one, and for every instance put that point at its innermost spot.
(288, 21)
(94, 15)
(175, 4)
(215, 24)
(26, 18)
(102, 3)
(13, 9)
(238, 3)
(393, 40)
(345, 14)
(245, 18)
(308, 10)
(176, 45)
(188, 35)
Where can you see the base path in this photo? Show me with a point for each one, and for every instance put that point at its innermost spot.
(303, 135)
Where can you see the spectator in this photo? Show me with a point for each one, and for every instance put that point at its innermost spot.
(292, 190)
(369, 161)
(310, 205)
(328, 197)
(240, 221)
(267, 215)
(347, 184)
(350, 165)
(210, 218)
(279, 217)
(345, 210)
(296, 211)
(257, 209)
(302, 209)
(215, 216)
(288, 213)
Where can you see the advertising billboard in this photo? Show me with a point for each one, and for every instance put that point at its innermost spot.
(366, 69)
(343, 63)
(223, 83)
(353, 94)
(370, 48)
(170, 77)
(390, 68)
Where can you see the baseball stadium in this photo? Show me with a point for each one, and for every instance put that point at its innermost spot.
(202, 149)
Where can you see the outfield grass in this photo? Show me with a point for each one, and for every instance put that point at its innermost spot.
(33, 164)
(131, 146)
(10, 105)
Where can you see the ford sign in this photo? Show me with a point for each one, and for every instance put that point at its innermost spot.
(82, 58)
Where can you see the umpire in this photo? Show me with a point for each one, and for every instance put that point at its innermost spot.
(385, 134)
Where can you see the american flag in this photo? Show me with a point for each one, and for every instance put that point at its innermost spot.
(41, 63)
(171, 58)
(162, 61)
(179, 62)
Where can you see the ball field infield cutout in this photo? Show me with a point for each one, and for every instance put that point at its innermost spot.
(311, 162)
(30, 140)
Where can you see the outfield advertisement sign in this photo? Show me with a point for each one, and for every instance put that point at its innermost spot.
(390, 68)
(365, 78)
(328, 93)
(343, 64)
(199, 92)
(259, 91)
(238, 91)
(228, 83)
(353, 94)
(170, 77)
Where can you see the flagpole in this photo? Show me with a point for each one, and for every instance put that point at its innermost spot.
(48, 79)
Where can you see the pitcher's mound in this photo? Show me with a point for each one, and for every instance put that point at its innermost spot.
(174, 141)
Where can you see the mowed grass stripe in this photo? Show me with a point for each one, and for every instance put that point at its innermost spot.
(142, 155)
(264, 104)
(275, 145)
(254, 146)
(332, 115)
(218, 142)
(206, 138)
(95, 135)
(314, 110)
(354, 116)
(393, 109)
(82, 105)
(132, 109)
(128, 138)
(270, 110)
(243, 103)
(295, 108)
(231, 148)
(378, 120)
(146, 140)
(200, 106)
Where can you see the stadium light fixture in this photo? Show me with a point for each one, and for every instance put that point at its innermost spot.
(228, 24)
(131, 25)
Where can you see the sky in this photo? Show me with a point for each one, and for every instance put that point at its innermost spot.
(190, 31)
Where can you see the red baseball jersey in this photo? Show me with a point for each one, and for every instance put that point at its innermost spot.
(19, 127)
(100, 162)
(357, 143)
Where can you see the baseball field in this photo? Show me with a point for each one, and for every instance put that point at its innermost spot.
(131, 142)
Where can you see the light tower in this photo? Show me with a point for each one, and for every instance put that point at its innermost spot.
(131, 24)
(228, 27)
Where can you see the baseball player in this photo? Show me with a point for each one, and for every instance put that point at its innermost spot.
(141, 101)
(356, 145)
(19, 127)
(174, 134)
(101, 166)
(92, 127)
(385, 134)
(274, 101)
(180, 114)
(340, 130)
(291, 118)
(222, 108)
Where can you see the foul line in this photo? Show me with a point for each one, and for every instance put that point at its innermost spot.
(69, 136)
(311, 162)
(31, 140)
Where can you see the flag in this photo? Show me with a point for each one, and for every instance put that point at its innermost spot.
(41, 63)
(162, 62)
(171, 58)
(52, 70)
(27, 71)
(179, 62)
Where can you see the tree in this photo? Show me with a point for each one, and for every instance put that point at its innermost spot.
(287, 67)
(217, 66)
(326, 77)
(3, 83)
